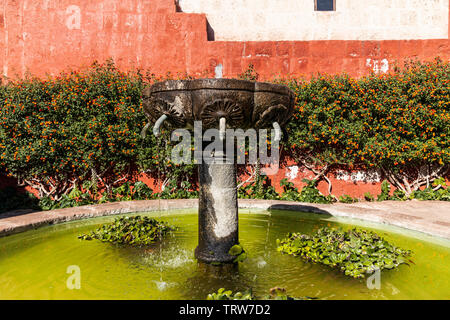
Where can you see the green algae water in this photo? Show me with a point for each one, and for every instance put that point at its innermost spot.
(34, 264)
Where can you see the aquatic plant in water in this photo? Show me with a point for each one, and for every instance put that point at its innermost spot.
(238, 252)
(276, 293)
(354, 252)
(137, 231)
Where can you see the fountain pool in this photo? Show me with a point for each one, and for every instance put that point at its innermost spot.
(33, 264)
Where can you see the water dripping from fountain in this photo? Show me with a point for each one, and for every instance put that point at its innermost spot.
(160, 142)
(266, 251)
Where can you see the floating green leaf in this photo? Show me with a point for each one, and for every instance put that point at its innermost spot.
(235, 250)
(238, 252)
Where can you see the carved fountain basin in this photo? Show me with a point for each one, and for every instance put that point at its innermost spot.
(244, 104)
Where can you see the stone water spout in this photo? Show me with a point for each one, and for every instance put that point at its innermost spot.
(220, 104)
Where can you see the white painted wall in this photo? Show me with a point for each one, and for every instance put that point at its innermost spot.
(265, 20)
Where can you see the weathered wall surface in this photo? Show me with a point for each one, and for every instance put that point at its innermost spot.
(47, 36)
(268, 20)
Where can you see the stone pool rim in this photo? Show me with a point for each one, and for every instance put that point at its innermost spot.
(428, 217)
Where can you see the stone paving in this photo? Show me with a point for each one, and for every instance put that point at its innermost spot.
(430, 217)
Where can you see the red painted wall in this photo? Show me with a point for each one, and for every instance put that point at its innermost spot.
(35, 37)
(339, 187)
(43, 37)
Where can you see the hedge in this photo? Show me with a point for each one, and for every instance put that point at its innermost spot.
(60, 132)
(398, 123)
(84, 127)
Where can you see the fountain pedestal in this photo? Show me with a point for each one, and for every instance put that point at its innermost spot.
(218, 212)
(219, 104)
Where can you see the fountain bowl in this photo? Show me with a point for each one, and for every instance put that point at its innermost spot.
(244, 104)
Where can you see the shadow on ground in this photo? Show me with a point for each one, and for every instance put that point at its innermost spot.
(300, 208)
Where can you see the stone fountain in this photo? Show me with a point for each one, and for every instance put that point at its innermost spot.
(222, 104)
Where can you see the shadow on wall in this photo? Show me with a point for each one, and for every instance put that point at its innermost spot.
(177, 6)
(210, 32)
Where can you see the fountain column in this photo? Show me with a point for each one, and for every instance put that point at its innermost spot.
(218, 211)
